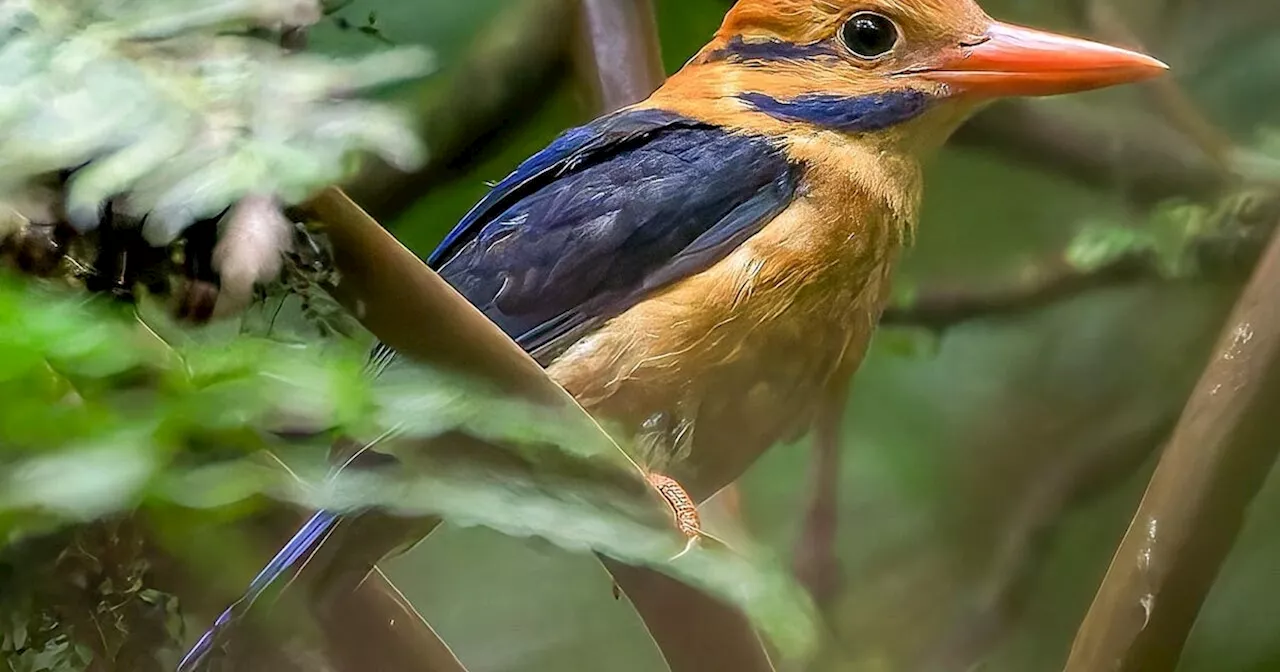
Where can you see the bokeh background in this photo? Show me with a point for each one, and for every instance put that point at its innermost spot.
(989, 469)
(990, 464)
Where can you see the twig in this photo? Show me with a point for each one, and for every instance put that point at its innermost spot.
(1056, 281)
(1166, 95)
(1224, 255)
(1224, 446)
(512, 65)
(1062, 485)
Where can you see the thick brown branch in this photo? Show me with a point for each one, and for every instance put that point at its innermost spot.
(1222, 450)
(370, 628)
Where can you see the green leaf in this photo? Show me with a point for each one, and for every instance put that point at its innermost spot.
(554, 476)
(1098, 245)
(590, 512)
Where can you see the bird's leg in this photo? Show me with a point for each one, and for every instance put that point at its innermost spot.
(687, 518)
(688, 521)
(662, 438)
(815, 561)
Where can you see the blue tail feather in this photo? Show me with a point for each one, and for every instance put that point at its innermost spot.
(312, 534)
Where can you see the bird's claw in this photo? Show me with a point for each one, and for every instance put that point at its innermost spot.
(687, 519)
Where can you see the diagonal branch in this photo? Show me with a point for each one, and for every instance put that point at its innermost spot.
(1222, 450)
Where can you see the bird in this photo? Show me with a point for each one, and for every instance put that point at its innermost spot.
(702, 267)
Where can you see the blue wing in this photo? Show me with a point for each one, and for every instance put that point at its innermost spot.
(607, 214)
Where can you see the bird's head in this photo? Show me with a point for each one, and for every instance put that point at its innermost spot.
(877, 66)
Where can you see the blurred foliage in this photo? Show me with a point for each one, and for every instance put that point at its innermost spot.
(177, 110)
(103, 415)
(179, 113)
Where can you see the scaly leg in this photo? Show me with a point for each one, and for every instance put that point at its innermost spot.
(685, 511)
(682, 507)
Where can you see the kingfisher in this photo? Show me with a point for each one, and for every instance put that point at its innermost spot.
(700, 268)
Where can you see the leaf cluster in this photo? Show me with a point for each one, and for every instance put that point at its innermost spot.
(174, 110)
(103, 414)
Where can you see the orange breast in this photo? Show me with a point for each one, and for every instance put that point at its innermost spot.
(722, 365)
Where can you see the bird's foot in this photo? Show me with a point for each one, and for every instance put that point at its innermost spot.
(687, 519)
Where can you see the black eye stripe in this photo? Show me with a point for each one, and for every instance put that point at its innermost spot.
(869, 35)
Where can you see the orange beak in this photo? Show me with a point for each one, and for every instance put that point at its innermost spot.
(1015, 61)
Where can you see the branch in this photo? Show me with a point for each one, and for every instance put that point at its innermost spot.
(619, 55)
(815, 558)
(1057, 281)
(1220, 255)
(512, 64)
(1222, 450)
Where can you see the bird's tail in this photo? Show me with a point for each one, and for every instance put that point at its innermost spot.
(300, 547)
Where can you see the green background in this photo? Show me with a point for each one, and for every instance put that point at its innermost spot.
(948, 438)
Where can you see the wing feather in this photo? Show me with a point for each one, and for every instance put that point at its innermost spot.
(607, 214)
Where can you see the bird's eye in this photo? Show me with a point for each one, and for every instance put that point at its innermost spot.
(869, 35)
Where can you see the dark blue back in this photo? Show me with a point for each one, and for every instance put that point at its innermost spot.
(607, 214)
